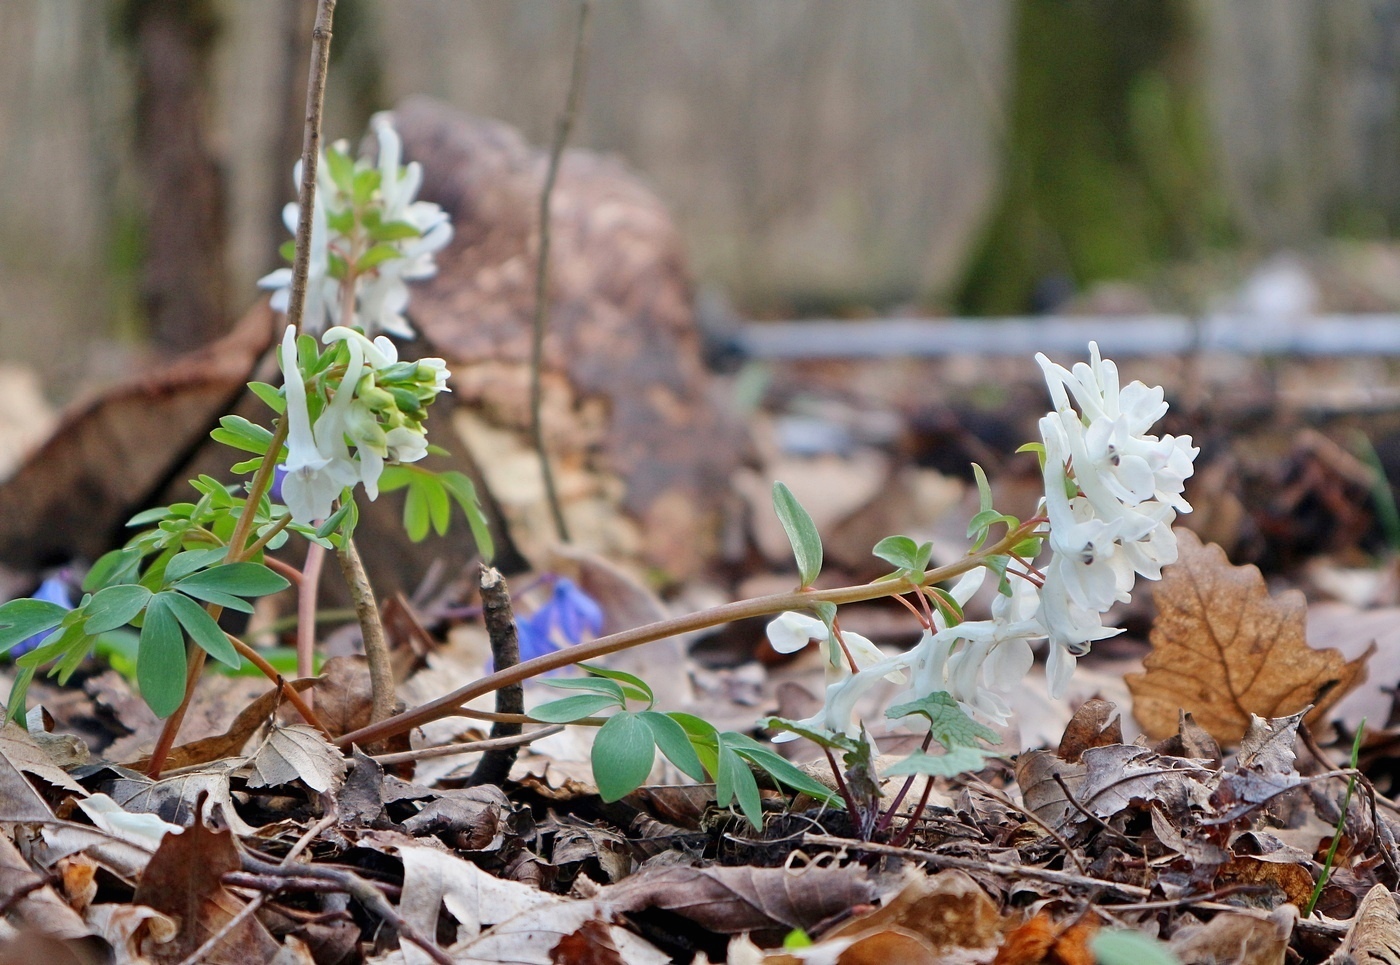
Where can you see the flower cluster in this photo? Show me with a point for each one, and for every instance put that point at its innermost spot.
(377, 404)
(1112, 492)
(369, 238)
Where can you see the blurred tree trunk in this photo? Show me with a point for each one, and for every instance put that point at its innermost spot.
(184, 287)
(1106, 169)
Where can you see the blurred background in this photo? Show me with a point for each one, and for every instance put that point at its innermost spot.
(887, 158)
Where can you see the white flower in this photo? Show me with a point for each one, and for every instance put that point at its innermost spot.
(379, 353)
(318, 464)
(790, 632)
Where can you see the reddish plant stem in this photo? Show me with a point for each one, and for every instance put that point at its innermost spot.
(446, 705)
(288, 691)
(893, 809)
(907, 831)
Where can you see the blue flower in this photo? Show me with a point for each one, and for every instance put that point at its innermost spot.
(563, 620)
(53, 590)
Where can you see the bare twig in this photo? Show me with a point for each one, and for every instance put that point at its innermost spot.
(449, 704)
(1132, 846)
(468, 747)
(495, 765)
(369, 896)
(381, 673)
(249, 909)
(556, 151)
(1031, 816)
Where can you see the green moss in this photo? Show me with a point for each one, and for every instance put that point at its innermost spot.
(1107, 165)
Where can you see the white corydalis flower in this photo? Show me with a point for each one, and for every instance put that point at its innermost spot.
(318, 464)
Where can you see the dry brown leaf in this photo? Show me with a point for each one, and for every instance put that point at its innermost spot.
(184, 881)
(1374, 936)
(1041, 940)
(297, 753)
(735, 899)
(1294, 881)
(1238, 938)
(231, 741)
(1090, 726)
(592, 944)
(1223, 649)
(947, 910)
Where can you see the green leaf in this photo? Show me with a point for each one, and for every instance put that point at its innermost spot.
(735, 780)
(817, 735)
(623, 753)
(462, 490)
(945, 603)
(333, 521)
(958, 760)
(114, 607)
(202, 628)
(439, 506)
(160, 665)
(183, 564)
(784, 772)
(1123, 946)
(240, 579)
(569, 709)
(153, 515)
(288, 250)
(238, 433)
(394, 231)
(948, 723)
(21, 619)
(366, 183)
(592, 684)
(376, 256)
(341, 169)
(704, 738)
(415, 514)
(984, 488)
(271, 396)
(674, 743)
(635, 686)
(897, 550)
(801, 533)
(209, 595)
(117, 566)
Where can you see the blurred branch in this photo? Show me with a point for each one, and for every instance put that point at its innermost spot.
(556, 151)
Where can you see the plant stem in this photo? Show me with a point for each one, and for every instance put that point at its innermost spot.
(446, 705)
(556, 151)
(306, 609)
(381, 673)
(1341, 826)
(296, 303)
(288, 691)
(259, 544)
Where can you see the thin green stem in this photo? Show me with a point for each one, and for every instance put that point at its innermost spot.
(448, 704)
(1341, 825)
(260, 544)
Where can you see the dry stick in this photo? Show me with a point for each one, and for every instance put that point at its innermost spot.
(494, 766)
(288, 691)
(556, 151)
(1132, 846)
(381, 671)
(369, 896)
(467, 747)
(448, 705)
(306, 195)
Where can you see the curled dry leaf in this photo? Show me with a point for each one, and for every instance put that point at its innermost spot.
(1106, 780)
(1374, 935)
(729, 900)
(297, 753)
(1093, 725)
(1238, 938)
(1223, 649)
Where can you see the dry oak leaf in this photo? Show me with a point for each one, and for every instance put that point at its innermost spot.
(1223, 649)
(1374, 935)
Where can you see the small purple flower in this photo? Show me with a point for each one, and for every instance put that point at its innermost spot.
(274, 492)
(54, 589)
(563, 620)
